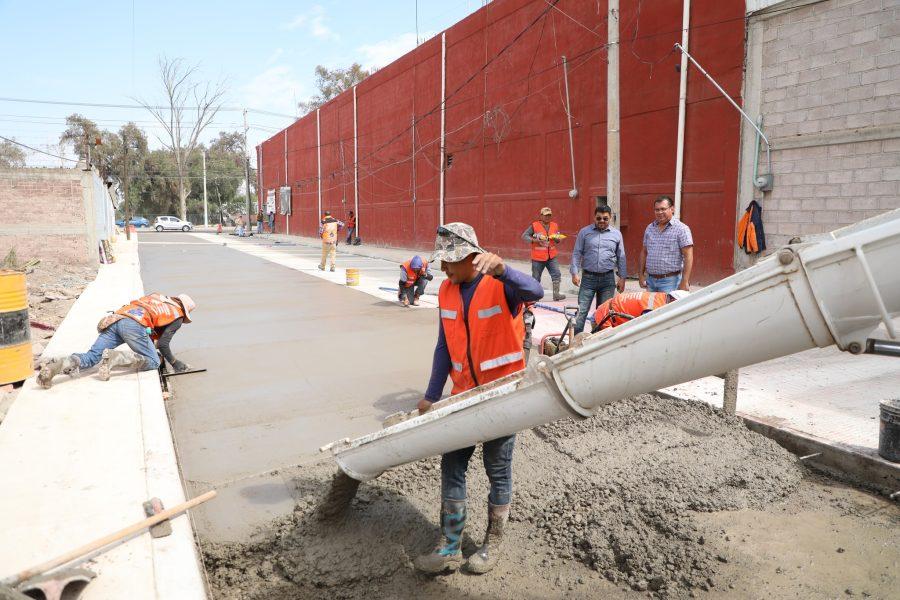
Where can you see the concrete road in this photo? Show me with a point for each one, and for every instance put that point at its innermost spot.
(293, 362)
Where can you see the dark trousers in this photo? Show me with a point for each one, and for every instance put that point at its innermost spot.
(601, 285)
(497, 464)
(413, 291)
(552, 266)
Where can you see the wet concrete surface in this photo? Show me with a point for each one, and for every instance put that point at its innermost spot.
(293, 362)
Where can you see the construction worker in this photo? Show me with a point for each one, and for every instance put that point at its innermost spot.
(149, 320)
(351, 228)
(328, 229)
(624, 307)
(479, 340)
(543, 235)
(414, 276)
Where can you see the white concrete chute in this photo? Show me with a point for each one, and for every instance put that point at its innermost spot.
(834, 290)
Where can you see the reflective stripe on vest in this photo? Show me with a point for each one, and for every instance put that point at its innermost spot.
(487, 313)
(448, 314)
(502, 360)
(457, 366)
(539, 252)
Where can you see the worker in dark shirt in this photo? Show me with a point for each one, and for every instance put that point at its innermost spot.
(480, 338)
(144, 325)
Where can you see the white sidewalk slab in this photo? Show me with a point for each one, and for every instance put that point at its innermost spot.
(77, 462)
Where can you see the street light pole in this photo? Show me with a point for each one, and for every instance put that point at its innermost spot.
(127, 209)
(247, 161)
(205, 210)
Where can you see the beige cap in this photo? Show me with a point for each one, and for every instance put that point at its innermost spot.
(546, 211)
(188, 304)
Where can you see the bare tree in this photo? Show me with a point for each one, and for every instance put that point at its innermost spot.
(185, 99)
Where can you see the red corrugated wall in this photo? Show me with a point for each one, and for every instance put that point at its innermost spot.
(507, 130)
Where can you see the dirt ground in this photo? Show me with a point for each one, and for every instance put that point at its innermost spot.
(652, 497)
(52, 289)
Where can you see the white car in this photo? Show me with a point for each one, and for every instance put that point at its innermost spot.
(173, 223)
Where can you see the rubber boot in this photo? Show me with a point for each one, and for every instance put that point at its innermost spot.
(117, 358)
(556, 294)
(68, 365)
(487, 556)
(415, 301)
(448, 553)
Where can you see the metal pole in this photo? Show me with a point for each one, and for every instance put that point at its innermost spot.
(319, 159)
(729, 404)
(247, 162)
(205, 209)
(127, 207)
(573, 193)
(443, 125)
(355, 166)
(612, 113)
(682, 107)
(413, 160)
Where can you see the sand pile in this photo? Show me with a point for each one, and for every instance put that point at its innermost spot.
(612, 496)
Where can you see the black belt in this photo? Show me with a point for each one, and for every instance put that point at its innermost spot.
(664, 275)
(596, 273)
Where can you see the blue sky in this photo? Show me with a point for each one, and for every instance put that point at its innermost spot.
(106, 52)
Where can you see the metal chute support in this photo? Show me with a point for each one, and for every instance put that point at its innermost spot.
(834, 290)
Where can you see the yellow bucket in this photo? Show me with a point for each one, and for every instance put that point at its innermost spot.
(15, 331)
(352, 276)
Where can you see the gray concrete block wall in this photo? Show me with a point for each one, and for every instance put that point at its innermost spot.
(829, 92)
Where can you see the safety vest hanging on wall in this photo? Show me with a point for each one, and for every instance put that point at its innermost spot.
(544, 251)
(154, 310)
(750, 234)
(497, 348)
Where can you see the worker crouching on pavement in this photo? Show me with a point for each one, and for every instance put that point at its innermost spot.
(624, 307)
(414, 276)
(480, 338)
(141, 323)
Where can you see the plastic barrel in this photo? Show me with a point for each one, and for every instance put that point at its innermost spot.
(889, 430)
(15, 332)
(352, 276)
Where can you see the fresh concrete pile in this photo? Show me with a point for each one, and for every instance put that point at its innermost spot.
(611, 497)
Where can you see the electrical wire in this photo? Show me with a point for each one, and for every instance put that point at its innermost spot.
(36, 150)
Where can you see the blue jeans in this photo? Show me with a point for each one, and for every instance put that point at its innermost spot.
(538, 266)
(663, 284)
(601, 285)
(259, 225)
(124, 331)
(497, 465)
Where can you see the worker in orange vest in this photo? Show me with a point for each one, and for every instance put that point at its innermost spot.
(328, 230)
(351, 229)
(623, 307)
(480, 340)
(414, 276)
(544, 235)
(151, 319)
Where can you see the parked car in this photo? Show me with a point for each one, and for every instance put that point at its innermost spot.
(136, 221)
(172, 223)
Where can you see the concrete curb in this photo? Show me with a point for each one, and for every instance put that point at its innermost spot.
(83, 456)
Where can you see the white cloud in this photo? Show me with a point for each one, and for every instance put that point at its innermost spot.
(382, 53)
(275, 89)
(313, 22)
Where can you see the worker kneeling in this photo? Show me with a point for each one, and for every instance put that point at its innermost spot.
(414, 276)
(623, 307)
(480, 337)
(154, 318)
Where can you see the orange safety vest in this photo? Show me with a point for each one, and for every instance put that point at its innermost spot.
(544, 251)
(329, 231)
(351, 222)
(489, 345)
(629, 303)
(154, 310)
(412, 275)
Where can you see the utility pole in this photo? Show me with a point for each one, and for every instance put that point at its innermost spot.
(612, 114)
(205, 210)
(127, 209)
(247, 161)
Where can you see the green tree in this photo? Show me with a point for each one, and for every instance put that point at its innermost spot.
(332, 82)
(11, 155)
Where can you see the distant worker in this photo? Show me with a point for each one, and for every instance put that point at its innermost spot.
(624, 307)
(351, 228)
(414, 276)
(599, 255)
(154, 318)
(544, 235)
(259, 221)
(667, 257)
(328, 230)
(479, 341)
(271, 221)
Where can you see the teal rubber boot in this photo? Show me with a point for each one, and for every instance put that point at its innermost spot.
(448, 553)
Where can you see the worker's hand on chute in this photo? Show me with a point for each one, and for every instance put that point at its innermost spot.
(642, 281)
(489, 264)
(424, 406)
(576, 279)
(620, 285)
(684, 286)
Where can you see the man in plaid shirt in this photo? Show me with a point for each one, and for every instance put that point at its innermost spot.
(667, 256)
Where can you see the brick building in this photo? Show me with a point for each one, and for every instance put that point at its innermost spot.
(60, 215)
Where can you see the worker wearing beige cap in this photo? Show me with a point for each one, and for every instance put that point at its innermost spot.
(144, 325)
(544, 235)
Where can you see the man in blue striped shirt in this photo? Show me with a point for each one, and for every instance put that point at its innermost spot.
(599, 253)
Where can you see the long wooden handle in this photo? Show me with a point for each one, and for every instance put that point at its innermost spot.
(97, 544)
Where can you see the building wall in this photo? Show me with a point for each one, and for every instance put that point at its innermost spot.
(53, 214)
(825, 75)
(507, 131)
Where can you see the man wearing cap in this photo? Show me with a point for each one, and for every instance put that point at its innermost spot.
(598, 255)
(543, 235)
(414, 276)
(480, 337)
(154, 318)
(624, 307)
(328, 230)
